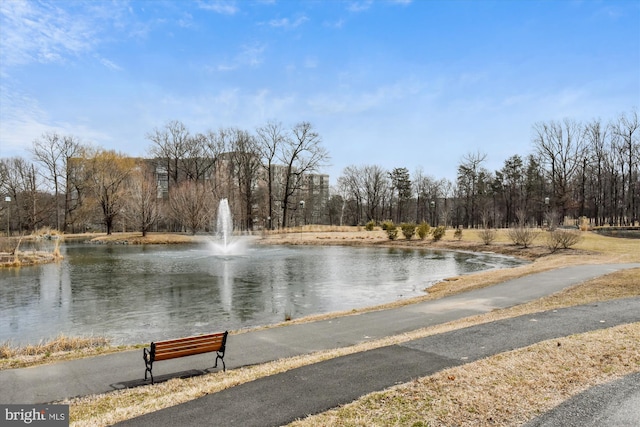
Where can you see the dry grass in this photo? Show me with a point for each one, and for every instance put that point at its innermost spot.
(60, 348)
(47, 249)
(505, 390)
(149, 239)
(117, 406)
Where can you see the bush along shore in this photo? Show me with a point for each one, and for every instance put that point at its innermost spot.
(44, 247)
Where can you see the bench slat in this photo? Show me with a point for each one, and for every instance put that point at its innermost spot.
(187, 343)
(196, 338)
(184, 351)
(171, 349)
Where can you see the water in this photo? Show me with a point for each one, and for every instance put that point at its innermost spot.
(134, 294)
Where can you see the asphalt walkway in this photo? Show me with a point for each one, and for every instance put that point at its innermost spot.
(101, 374)
(614, 404)
(280, 399)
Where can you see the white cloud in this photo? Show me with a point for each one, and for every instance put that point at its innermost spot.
(334, 24)
(360, 6)
(288, 24)
(110, 64)
(220, 6)
(350, 102)
(186, 21)
(24, 120)
(249, 55)
(42, 32)
(311, 62)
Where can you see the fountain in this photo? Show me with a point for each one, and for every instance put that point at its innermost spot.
(225, 224)
(225, 243)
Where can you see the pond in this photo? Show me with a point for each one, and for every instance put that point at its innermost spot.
(135, 294)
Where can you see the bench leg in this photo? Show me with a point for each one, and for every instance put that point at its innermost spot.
(148, 364)
(148, 369)
(221, 357)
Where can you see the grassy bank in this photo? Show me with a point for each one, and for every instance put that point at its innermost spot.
(109, 408)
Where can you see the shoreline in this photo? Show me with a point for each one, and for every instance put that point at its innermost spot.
(103, 409)
(539, 257)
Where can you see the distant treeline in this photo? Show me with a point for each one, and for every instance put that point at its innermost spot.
(586, 171)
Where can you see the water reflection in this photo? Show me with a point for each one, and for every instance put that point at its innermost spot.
(138, 293)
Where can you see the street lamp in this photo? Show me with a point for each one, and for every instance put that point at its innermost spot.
(8, 200)
(302, 211)
(547, 218)
(433, 212)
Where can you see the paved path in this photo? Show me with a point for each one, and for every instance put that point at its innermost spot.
(615, 404)
(101, 374)
(280, 399)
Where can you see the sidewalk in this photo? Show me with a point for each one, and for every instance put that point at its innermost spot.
(280, 399)
(43, 384)
(614, 404)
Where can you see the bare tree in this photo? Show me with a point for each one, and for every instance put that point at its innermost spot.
(376, 187)
(142, 199)
(627, 132)
(170, 147)
(596, 137)
(109, 174)
(561, 146)
(29, 206)
(200, 156)
(428, 192)
(352, 191)
(270, 138)
(246, 164)
(54, 151)
(301, 154)
(446, 189)
(192, 204)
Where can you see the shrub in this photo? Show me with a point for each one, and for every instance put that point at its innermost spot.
(423, 230)
(370, 225)
(9, 244)
(408, 230)
(522, 236)
(458, 234)
(584, 224)
(438, 233)
(560, 238)
(392, 231)
(387, 224)
(488, 235)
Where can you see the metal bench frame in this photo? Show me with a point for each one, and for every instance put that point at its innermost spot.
(181, 347)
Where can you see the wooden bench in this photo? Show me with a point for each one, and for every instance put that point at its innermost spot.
(171, 349)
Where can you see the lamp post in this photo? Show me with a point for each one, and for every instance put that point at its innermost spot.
(8, 200)
(546, 211)
(433, 212)
(301, 212)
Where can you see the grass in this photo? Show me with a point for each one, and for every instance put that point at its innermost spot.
(47, 249)
(505, 390)
(60, 348)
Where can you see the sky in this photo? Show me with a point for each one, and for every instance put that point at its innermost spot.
(416, 84)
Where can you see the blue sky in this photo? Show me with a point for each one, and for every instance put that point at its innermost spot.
(414, 84)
